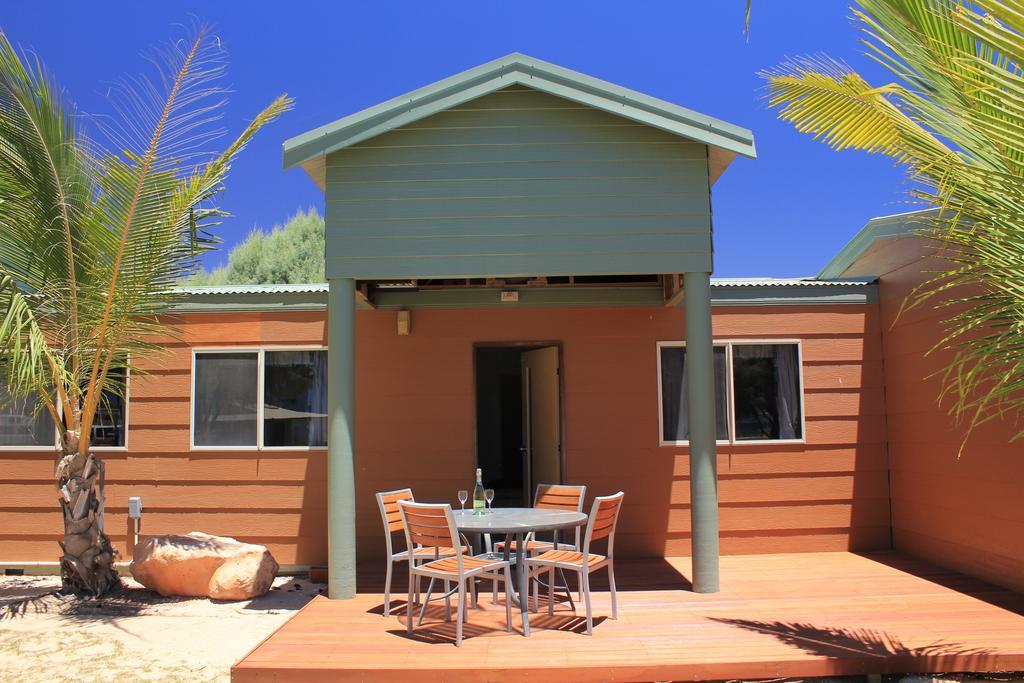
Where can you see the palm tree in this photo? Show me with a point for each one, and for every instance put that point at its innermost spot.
(92, 243)
(954, 118)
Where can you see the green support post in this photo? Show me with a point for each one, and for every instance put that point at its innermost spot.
(700, 389)
(341, 401)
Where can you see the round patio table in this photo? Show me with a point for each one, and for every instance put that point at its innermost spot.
(516, 523)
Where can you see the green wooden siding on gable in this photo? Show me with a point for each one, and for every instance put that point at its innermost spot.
(516, 183)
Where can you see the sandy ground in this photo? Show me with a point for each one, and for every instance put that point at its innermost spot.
(136, 635)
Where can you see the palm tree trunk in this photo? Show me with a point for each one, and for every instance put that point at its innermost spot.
(87, 566)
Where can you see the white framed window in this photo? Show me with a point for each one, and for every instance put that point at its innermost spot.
(758, 392)
(259, 398)
(23, 427)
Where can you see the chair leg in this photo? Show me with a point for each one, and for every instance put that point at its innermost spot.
(447, 601)
(611, 583)
(551, 592)
(494, 592)
(459, 617)
(408, 607)
(387, 588)
(472, 594)
(508, 597)
(585, 582)
(536, 594)
(426, 601)
(568, 591)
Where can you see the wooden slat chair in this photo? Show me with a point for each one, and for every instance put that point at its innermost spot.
(391, 516)
(604, 517)
(553, 497)
(431, 525)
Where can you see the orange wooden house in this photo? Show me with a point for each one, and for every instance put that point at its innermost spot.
(538, 326)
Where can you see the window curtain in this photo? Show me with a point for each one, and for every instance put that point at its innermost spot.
(23, 424)
(787, 391)
(673, 394)
(225, 399)
(318, 400)
(674, 397)
(295, 398)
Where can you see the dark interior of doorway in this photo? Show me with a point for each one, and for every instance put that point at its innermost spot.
(499, 422)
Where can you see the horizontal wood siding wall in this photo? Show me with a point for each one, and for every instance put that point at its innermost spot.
(415, 421)
(962, 512)
(518, 182)
(416, 427)
(276, 498)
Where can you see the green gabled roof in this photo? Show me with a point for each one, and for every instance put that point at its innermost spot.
(518, 69)
(889, 227)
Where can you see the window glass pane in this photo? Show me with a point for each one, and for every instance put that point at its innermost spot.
(109, 424)
(18, 426)
(766, 391)
(225, 399)
(295, 398)
(673, 394)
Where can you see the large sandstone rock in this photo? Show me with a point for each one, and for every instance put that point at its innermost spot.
(199, 564)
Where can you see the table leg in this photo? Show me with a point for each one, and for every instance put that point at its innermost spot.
(524, 585)
(509, 539)
(551, 575)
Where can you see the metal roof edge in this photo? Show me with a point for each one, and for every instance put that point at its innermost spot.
(791, 281)
(322, 287)
(892, 226)
(725, 292)
(200, 290)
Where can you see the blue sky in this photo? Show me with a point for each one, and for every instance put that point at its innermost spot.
(784, 214)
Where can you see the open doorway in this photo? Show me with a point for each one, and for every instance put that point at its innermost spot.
(518, 419)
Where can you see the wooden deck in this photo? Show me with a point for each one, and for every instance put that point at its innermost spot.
(812, 614)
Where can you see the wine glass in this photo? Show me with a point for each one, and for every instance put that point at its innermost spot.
(463, 497)
(489, 497)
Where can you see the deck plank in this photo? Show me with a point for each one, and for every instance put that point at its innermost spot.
(809, 614)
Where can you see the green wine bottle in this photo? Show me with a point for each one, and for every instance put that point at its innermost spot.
(479, 504)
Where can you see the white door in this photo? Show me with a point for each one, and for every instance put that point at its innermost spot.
(542, 419)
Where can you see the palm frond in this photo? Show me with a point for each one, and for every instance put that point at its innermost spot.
(92, 243)
(955, 119)
(157, 200)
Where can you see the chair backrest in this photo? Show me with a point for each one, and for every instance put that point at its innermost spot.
(390, 515)
(429, 525)
(561, 497)
(604, 516)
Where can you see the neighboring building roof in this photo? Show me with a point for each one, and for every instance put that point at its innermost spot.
(252, 289)
(715, 282)
(890, 227)
(518, 69)
(763, 291)
(790, 281)
(224, 298)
